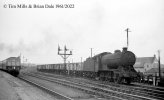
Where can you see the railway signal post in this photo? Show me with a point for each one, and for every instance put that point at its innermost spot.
(91, 52)
(64, 55)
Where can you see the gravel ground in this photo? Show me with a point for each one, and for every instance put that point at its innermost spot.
(6, 91)
(73, 93)
(12, 88)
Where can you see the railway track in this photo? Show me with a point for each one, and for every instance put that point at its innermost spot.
(93, 93)
(147, 93)
(149, 86)
(57, 95)
(140, 91)
(136, 90)
(97, 89)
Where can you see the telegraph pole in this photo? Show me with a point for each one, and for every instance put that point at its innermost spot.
(20, 57)
(127, 30)
(159, 65)
(64, 55)
(81, 61)
(91, 52)
(20, 60)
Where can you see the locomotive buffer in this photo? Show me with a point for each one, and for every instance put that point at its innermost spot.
(64, 55)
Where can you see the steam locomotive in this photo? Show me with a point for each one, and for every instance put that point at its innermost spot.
(116, 67)
(11, 65)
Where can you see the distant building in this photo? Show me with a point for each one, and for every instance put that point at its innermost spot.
(144, 64)
(155, 71)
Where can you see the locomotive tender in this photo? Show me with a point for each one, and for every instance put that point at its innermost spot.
(11, 65)
(116, 67)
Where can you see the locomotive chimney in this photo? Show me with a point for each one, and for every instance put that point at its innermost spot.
(124, 49)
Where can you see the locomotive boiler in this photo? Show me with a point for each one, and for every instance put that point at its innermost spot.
(124, 58)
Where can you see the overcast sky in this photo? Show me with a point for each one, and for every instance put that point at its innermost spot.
(97, 24)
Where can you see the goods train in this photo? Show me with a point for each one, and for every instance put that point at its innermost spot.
(11, 65)
(116, 67)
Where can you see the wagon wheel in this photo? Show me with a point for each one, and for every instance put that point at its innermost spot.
(102, 76)
(117, 80)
